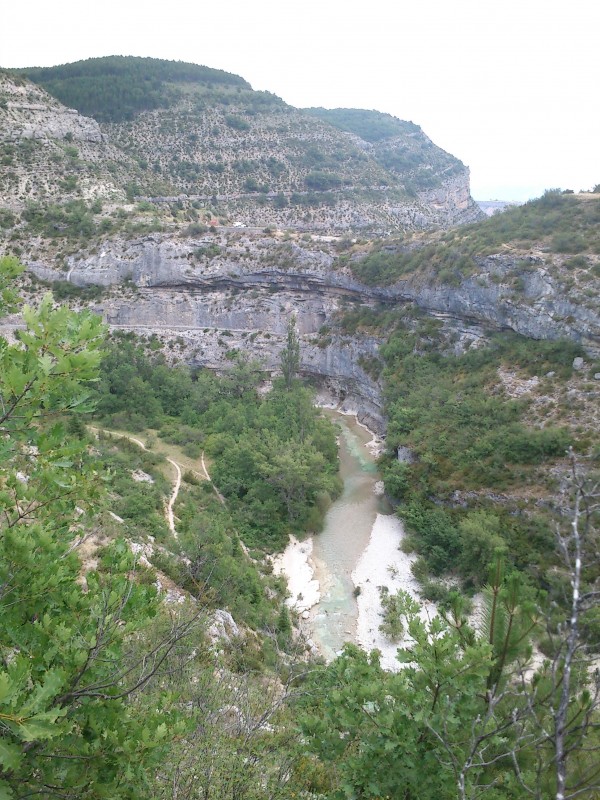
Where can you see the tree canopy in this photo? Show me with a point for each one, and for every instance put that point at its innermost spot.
(116, 88)
(67, 666)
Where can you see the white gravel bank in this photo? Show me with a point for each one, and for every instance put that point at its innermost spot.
(384, 564)
(296, 565)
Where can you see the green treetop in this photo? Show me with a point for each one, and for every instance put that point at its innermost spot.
(290, 355)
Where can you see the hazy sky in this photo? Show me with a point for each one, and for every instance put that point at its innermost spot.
(511, 87)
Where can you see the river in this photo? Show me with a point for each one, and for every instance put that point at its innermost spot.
(359, 551)
(345, 537)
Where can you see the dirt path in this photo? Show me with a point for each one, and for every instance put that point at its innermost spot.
(169, 515)
(173, 498)
(209, 479)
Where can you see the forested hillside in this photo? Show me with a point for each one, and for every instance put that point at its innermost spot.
(116, 88)
(372, 126)
(398, 145)
(273, 457)
(118, 677)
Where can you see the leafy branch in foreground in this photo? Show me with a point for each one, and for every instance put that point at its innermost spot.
(69, 660)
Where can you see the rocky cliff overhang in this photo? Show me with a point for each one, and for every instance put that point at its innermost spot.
(164, 265)
(240, 300)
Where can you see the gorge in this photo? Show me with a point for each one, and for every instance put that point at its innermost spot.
(201, 265)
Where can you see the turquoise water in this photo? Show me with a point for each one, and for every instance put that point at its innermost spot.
(346, 533)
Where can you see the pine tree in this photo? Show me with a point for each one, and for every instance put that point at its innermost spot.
(290, 355)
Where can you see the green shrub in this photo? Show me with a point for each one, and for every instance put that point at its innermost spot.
(237, 123)
(393, 608)
(322, 181)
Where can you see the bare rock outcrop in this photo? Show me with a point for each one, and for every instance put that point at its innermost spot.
(255, 282)
(28, 112)
(452, 200)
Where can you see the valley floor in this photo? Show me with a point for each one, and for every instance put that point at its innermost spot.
(336, 588)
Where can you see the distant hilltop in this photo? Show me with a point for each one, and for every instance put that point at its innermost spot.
(150, 129)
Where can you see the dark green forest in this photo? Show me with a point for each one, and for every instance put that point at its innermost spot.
(275, 458)
(116, 88)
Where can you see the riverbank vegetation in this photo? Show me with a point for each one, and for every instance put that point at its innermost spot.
(482, 459)
(463, 717)
(274, 458)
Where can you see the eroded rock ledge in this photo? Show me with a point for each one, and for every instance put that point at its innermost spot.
(242, 296)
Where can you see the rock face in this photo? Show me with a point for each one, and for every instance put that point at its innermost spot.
(231, 163)
(378, 211)
(540, 307)
(30, 113)
(315, 175)
(241, 297)
(452, 200)
(53, 154)
(296, 277)
(219, 307)
(214, 153)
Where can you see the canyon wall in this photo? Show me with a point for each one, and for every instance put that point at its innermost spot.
(211, 304)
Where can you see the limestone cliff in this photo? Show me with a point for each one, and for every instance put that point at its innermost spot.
(53, 154)
(30, 113)
(236, 291)
(536, 306)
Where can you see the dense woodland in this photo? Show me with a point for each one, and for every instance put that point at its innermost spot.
(274, 458)
(469, 439)
(116, 88)
(372, 126)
